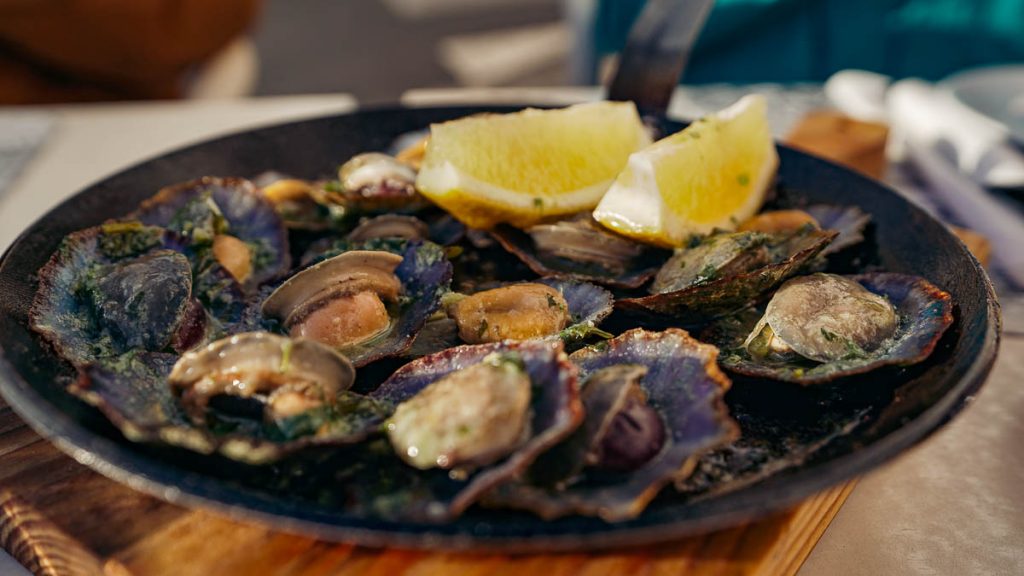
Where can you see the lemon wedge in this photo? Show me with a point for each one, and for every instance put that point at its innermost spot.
(526, 166)
(713, 174)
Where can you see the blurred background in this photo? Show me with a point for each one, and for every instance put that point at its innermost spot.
(377, 49)
(91, 50)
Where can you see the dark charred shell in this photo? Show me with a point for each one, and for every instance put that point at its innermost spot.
(389, 226)
(924, 312)
(438, 334)
(718, 296)
(633, 274)
(716, 256)
(603, 397)
(425, 275)
(442, 230)
(437, 495)
(588, 306)
(331, 247)
(132, 391)
(848, 221)
(781, 427)
(228, 308)
(301, 204)
(435, 226)
(481, 263)
(142, 301)
(683, 384)
(201, 209)
(112, 288)
(445, 229)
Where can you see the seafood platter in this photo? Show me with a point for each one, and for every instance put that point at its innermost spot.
(384, 327)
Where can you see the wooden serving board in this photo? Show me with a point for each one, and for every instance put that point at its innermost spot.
(59, 518)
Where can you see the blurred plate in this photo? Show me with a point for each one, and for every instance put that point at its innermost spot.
(996, 92)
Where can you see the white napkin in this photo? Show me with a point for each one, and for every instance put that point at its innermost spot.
(956, 151)
(982, 147)
(21, 134)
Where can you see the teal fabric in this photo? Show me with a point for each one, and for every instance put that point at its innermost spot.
(748, 41)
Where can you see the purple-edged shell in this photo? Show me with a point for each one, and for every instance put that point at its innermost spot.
(331, 247)
(923, 312)
(683, 384)
(588, 306)
(301, 204)
(620, 430)
(713, 296)
(439, 495)
(580, 249)
(123, 286)
(132, 390)
(848, 221)
(424, 275)
(203, 209)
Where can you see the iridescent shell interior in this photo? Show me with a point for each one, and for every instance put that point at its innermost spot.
(555, 412)
(683, 384)
(203, 209)
(924, 312)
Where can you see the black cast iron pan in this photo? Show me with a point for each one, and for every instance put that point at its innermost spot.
(854, 425)
(868, 420)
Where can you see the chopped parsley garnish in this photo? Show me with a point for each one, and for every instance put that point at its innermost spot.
(708, 272)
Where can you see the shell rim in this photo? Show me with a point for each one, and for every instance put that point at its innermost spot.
(508, 243)
(649, 303)
(538, 443)
(167, 193)
(938, 295)
(708, 354)
(259, 451)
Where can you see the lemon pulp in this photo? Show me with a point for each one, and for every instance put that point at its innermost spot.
(526, 166)
(711, 175)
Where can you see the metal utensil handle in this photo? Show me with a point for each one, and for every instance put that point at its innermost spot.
(656, 51)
